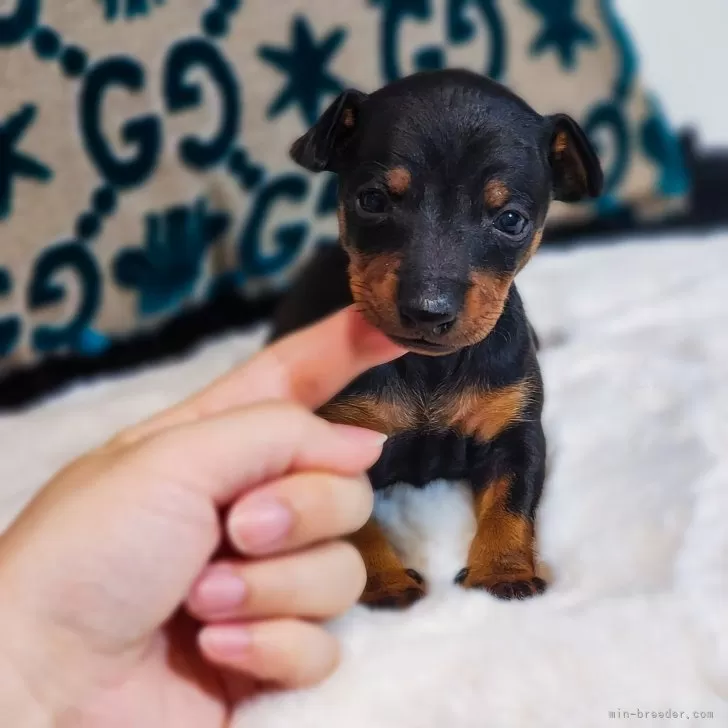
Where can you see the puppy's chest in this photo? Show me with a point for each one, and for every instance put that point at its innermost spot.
(440, 432)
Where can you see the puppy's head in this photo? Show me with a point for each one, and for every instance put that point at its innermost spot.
(445, 179)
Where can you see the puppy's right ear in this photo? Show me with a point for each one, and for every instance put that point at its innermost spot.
(318, 150)
(577, 172)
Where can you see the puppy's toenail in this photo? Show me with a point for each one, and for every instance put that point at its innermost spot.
(461, 575)
(415, 575)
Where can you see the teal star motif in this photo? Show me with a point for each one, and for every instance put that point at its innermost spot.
(562, 30)
(14, 163)
(305, 64)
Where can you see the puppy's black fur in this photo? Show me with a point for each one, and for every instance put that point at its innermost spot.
(445, 180)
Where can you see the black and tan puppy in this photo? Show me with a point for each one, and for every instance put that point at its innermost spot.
(445, 179)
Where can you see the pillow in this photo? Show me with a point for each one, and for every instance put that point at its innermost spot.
(144, 143)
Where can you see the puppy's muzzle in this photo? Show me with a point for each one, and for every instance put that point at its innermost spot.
(429, 309)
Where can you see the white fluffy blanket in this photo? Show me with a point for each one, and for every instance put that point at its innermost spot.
(633, 525)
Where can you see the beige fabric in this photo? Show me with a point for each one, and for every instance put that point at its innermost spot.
(44, 214)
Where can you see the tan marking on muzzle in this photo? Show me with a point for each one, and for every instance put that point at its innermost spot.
(532, 248)
(374, 280)
(484, 304)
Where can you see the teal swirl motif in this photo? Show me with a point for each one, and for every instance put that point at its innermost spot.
(657, 140)
(626, 52)
(216, 21)
(609, 117)
(662, 148)
(393, 14)
(45, 291)
(462, 30)
(459, 30)
(289, 238)
(181, 95)
(247, 173)
(144, 132)
(15, 27)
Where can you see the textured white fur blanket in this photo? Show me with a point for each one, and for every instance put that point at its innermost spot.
(633, 525)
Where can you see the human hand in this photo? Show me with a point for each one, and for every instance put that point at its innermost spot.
(95, 571)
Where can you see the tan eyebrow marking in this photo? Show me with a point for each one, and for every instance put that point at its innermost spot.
(398, 180)
(496, 193)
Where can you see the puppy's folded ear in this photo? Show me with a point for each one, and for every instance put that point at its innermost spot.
(575, 166)
(318, 150)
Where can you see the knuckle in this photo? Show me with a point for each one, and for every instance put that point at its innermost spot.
(295, 415)
(350, 565)
(364, 503)
(298, 654)
(353, 498)
(359, 572)
(345, 553)
(317, 662)
(329, 660)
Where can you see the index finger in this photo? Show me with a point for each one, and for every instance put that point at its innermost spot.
(307, 367)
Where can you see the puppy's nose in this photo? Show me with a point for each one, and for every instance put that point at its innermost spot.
(433, 314)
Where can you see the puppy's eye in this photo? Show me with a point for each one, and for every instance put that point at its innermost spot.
(372, 202)
(511, 223)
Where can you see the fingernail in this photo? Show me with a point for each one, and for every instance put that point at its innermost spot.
(361, 435)
(219, 591)
(260, 523)
(225, 641)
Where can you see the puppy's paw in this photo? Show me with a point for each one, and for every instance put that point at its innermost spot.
(503, 586)
(393, 589)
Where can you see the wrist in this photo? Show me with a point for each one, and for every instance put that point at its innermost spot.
(39, 663)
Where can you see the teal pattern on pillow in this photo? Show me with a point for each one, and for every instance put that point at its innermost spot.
(165, 271)
(116, 9)
(305, 67)
(562, 31)
(143, 143)
(15, 163)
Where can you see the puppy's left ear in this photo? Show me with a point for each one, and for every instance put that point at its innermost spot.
(318, 150)
(575, 167)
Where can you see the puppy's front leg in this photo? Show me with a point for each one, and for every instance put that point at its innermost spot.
(389, 583)
(502, 556)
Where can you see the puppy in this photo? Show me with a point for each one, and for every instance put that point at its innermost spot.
(445, 179)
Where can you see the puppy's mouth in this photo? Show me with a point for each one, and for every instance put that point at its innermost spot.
(419, 344)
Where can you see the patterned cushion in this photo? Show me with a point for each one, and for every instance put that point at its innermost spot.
(143, 143)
